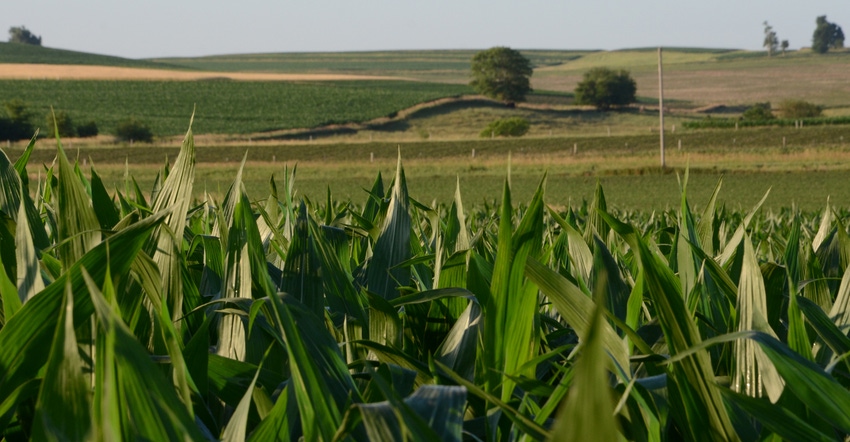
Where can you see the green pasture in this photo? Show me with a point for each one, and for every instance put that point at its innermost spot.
(221, 106)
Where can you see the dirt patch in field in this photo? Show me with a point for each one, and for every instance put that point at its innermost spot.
(80, 72)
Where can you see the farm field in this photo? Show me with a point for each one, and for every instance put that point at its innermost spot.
(224, 107)
(697, 76)
(386, 316)
(710, 80)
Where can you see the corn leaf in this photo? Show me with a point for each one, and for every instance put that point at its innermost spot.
(693, 375)
(79, 229)
(32, 329)
(29, 272)
(439, 407)
(785, 423)
(384, 275)
(238, 424)
(63, 406)
(588, 413)
(576, 309)
(166, 242)
(754, 373)
(150, 408)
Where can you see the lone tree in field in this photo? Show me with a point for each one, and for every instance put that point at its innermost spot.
(827, 36)
(771, 41)
(23, 35)
(604, 88)
(784, 46)
(501, 73)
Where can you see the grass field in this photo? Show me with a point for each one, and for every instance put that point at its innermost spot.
(815, 161)
(227, 107)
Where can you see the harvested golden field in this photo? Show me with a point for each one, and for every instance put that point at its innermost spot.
(13, 71)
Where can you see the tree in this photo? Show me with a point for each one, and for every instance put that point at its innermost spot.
(603, 88)
(827, 36)
(784, 46)
(770, 40)
(501, 73)
(23, 35)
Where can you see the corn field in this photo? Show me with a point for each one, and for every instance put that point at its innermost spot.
(152, 315)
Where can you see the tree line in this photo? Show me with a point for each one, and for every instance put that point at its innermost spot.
(825, 37)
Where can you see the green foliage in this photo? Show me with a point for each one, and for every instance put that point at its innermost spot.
(604, 88)
(826, 36)
(506, 127)
(61, 122)
(20, 34)
(501, 73)
(132, 129)
(799, 109)
(758, 112)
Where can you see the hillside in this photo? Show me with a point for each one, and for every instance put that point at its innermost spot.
(22, 53)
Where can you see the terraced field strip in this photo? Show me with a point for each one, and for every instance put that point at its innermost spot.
(29, 71)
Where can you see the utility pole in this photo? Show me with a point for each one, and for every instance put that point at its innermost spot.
(661, 106)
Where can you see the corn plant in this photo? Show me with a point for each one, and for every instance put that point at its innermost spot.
(130, 314)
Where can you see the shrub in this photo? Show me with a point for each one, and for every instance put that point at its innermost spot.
(133, 130)
(506, 127)
(799, 109)
(758, 112)
(87, 130)
(61, 121)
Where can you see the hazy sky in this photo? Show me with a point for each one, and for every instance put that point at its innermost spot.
(159, 28)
